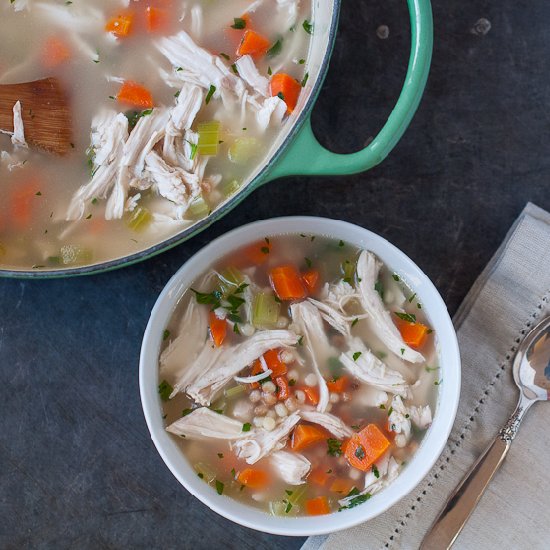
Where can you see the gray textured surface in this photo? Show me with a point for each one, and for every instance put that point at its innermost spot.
(77, 468)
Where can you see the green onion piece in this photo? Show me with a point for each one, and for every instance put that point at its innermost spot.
(209, 475)
(235, 391)
(139, 219)
(265, 311)
(71, 254)
(209, 138)
(198, 209)
(244, 149)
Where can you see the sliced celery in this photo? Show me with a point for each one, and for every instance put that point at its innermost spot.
(209, 138)
(230, 279)
(235, 391)
(139, 219)
(244, 149)
(205, 472)
(198, 209)
(71, 254)
(277, 507)
(231, 188)
(265, 310)
(348, 270)
(297, 495)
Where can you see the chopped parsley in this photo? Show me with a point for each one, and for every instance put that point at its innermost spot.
(409, 317)
(379, 287)
(304, 80)
(219, 487)
(402, 350)
(239, 23)
(412, 298)
(289, 493)
(375, 471)
(356, 355)
(308, 262)
(211, 92)
(354, 322)
(201, 475)
(334, 447)
(220, 455)
(300, 341)
(265, 249)
(275, 49)
(307, 26)
(247, 426)
(166, 334)
(341, 243)
(438, 382)
(431, 369)
(390, 411)
(292, 382)
(396, 277)
(355, 501)
(165, 390)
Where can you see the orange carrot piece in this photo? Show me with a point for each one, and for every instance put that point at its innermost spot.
(256, 369)
(55, 52)
(287, 88)
(305, 435)
(218, 329)
(317, 506)
(156, 19)
(253, 478)
(284, 388)
(120, 25)
(339, 385)
(413, 334)
(287, 283)
(341, 485)
(364, 448)
(312, 394)
(135, 94)
(22, 200)
(253, 44)
(257, 253)
(319, 477)
(311, 279)
(273, 361)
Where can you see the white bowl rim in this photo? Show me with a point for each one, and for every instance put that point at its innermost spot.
(433, 442)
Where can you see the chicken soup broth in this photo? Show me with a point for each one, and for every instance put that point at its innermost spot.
(298, 375)
(175, 105)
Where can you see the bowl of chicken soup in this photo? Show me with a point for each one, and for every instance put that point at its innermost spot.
(298, 368)
(180, 110)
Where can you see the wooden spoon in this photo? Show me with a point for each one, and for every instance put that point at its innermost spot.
(45, 111)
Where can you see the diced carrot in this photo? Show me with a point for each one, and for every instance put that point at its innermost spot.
(339, 385)
(22, 200)
(253, 44)
(157, 20)
(318, 476)
(413, 334)
(312, 394)
(311, 279)
(287, 88)
(273, 362)
(120, 25)
(256, 369)
(364, 448)
(287, 283)
(218, 329)
(55, 52)
(284, 388)
(317, 506)
(135, 94)
(305, 435)
(258, 253)
(253, 478)
(341, 485)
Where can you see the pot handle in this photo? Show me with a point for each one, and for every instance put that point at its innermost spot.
(306, 156)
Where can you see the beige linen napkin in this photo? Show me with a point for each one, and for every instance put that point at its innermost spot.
(510, 296)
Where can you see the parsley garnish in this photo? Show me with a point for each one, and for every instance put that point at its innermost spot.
(166, 334)
(211, 92)
(219, 487)
(375, 471)
(307, 26)
(165, 390)
(356, 355)
(334, 447)
(247, 426)
(354, 322)
(379, 288)
(355, 501)
(409, 317)
(238, 23)
(275, 49)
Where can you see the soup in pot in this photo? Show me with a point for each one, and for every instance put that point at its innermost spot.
(175, 106)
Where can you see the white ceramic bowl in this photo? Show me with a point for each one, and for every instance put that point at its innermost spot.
(433, 442)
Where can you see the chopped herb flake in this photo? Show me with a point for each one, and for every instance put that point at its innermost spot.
(247, 426)
(334, 447)
(219, 487)
(356, 355)
(165, 390)
(307, 26)
(238, 23)
(166, 334)
(211, 92)
(408, 317)
(375, 471)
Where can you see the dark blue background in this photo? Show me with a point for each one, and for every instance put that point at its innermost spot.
(77, 467)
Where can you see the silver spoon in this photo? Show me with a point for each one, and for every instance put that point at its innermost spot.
(532, 375)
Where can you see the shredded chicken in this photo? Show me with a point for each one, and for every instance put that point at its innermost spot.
(206, 424)
(310, 324)
(260, 442)
(421, 416)
(365, 366)
(233, 359)
(328, 421)
(290, 9)
(250, 74)
(387, 468)
(18, 137)
(380, 320)
(291, 467)
(10, 161)
(399, 421)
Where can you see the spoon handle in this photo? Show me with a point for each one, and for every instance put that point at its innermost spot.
(465, 497)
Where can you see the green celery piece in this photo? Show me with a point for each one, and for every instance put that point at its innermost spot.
(198, 209)
(265, 310)
(209, 475)
(244, 149)
(235, 391)
(298, 495)
(209, 138)
(230, 278)
(139, 219)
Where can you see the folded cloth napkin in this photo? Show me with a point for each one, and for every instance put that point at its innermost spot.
(511, 294)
